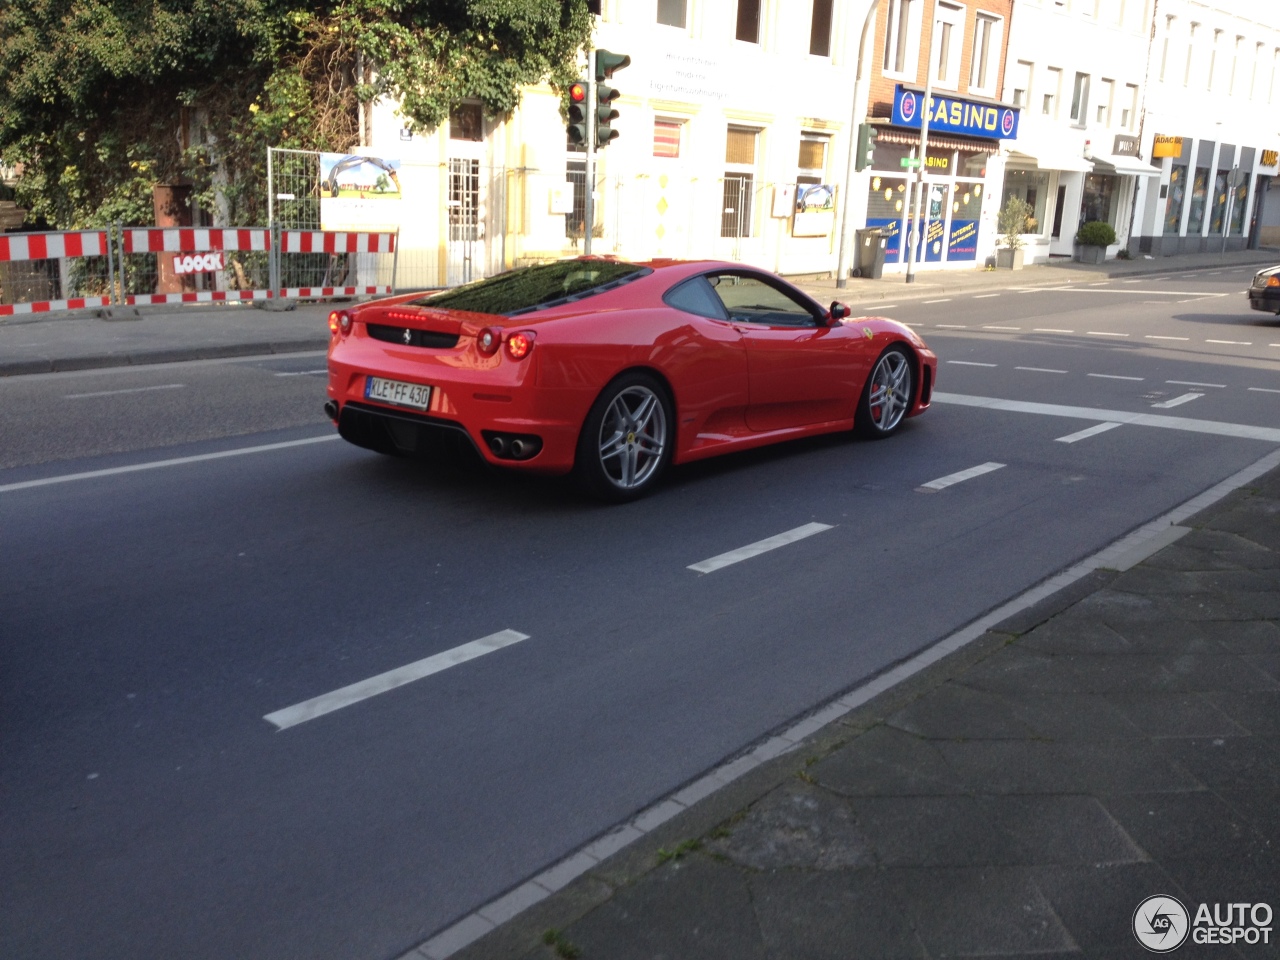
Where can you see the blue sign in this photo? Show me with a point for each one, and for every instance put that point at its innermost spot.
(953, 115)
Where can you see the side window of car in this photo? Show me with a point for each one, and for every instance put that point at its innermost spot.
(696, 296)
(750, 299)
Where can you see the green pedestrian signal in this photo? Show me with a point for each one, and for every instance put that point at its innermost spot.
(607, 63)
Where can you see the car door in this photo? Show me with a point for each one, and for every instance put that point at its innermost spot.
(799, 370)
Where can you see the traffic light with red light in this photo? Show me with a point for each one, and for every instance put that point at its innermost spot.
(579, 128)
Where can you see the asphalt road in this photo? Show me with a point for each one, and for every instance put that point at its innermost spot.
(153, 619)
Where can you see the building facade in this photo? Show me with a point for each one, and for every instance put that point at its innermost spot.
(1211, 128)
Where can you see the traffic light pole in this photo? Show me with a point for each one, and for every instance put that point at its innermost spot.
(916, 239)
(589, 211)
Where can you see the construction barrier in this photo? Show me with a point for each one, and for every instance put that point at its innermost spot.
(196, 259)
(72, 270)
(65, 270)
(316, 264)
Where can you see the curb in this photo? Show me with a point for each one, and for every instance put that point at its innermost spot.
(588, 877)
(19, 368)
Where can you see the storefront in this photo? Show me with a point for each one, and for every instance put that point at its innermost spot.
(954, 175)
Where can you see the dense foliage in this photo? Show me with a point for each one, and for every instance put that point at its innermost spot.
(102, 99)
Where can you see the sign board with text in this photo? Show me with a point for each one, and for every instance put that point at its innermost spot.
(955, 115)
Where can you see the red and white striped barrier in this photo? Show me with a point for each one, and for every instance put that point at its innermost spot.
(197, 250)
(317, 241)
(53, 246)
(320, 293)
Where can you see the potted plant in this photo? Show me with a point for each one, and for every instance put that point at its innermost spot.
(1012, 222)
(1092, 240)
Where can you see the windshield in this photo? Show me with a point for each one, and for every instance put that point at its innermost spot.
(531, 288)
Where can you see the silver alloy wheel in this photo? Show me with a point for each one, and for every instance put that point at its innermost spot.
(890, 391)
(633, 437)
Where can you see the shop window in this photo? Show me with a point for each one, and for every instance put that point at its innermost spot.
(987, 33)
(1033, 187)
(1219, 208)
(748, 21)
(820, 28)
(950, 24)
(902, 37)
(1237, 207)
(1080, 98)
(666, 138)
(1098, 201)
(1199, 192)
(673, 13)
(1174, 200)
(739, 182)
(1129, 113)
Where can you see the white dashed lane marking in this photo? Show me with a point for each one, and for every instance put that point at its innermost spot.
(1088, 432)
(1112, 376)
(723, 560)
(1152, 336)
(383, 682)
(1103, 333)
(986, 296)
(1232, 343)
(113, 393)
(1051, 330)
(1193, 383)
(970, 363)
(1263, 390)
(951, 479)
(1039, 370)
(1178, 401)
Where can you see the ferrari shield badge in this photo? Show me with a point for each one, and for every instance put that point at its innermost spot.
(866, 332)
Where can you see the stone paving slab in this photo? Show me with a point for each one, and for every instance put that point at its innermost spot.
(1018, 799)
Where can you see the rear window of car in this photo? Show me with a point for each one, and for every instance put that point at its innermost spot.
(537, 287)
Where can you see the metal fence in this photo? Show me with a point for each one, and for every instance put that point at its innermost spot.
(55, 271)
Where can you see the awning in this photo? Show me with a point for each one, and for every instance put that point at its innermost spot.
(1047, 159)
(1126, 166)
(911, 138)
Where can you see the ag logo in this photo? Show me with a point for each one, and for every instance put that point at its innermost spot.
(1161, 924)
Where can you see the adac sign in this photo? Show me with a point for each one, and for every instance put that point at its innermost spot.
(954, 115)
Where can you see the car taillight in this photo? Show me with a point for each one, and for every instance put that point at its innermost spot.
(519, 345)
(487, 341)
(339, 322)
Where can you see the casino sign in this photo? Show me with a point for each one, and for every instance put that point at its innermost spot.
(955, 115)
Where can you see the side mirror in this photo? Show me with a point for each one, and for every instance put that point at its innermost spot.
(837, 313)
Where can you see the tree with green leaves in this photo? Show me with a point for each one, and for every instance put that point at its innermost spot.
(102, 99)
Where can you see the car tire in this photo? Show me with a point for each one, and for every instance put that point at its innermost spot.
(627, 439)
(887, 395)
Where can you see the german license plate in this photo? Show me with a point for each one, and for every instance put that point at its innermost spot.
(416, 395)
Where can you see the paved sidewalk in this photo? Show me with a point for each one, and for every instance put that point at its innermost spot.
(51, 342)
(1021, 797)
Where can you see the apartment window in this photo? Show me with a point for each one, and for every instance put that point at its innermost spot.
(812, 162)
(1129, 114)
(466, 122)
(673, 13)
(820, 29)
(666, 138)
(902, 37)
(987, 31)
(1053, 89)
(1275, 65)
(739, 181)
(1080, 98)
(1020, 83)
(1235, 66)
(1105, 92)
(1213, 59)
(748, 21)
(1164, 49)
(950, 24)
(1253, 72)
(1191, 46)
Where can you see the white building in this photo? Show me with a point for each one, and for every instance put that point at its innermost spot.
(1212, 127)
(1078, 70)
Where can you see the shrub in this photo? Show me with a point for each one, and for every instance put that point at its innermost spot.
(1012, 222)
(1096, 233)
